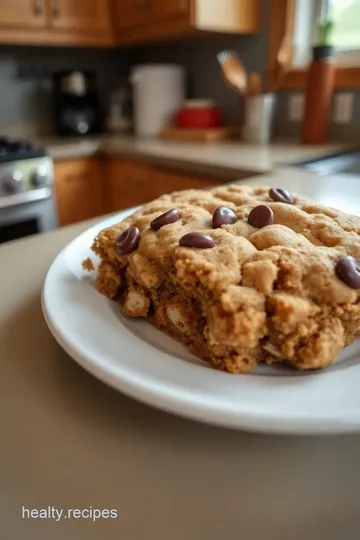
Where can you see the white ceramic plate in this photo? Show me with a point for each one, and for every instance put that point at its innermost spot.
(133, 357)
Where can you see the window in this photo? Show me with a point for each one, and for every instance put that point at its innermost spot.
(346, 15)
(298, 19)
(346, 32)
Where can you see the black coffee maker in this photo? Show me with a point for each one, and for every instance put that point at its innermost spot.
(76, 103)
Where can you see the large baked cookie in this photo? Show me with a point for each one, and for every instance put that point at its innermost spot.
(240, 275)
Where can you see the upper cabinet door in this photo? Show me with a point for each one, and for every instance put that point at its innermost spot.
(79, 14)
(23, 13)
(168, 8)
(132, 13)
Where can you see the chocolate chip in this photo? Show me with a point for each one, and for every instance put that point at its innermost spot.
(280, 195)
(128, 241)
(165, 219)
(197, 240)
(223, 216)
(348, 270)
(260, 216)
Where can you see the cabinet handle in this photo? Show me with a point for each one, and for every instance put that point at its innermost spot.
(56, 8)
(39, 8)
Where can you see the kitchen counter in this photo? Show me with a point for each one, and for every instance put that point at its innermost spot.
(69, 441)
(226, 157)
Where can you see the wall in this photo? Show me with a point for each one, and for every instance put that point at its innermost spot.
(25, 79)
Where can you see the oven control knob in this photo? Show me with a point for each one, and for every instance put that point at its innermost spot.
(14, 182)
(40, 177)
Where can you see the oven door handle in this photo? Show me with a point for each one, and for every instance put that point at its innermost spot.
(25, 197)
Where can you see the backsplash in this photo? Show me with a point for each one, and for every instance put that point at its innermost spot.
(25, 79)
(285, 127)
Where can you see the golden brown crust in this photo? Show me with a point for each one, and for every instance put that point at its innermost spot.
(267, 294)
(88, 265)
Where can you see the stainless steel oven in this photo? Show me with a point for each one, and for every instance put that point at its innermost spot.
(27, 203)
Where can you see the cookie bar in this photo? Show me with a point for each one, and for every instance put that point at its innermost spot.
(239, 275)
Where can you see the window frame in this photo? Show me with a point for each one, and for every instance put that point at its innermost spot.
(282, 22)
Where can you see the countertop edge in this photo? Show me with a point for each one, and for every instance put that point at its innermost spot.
(272, 157)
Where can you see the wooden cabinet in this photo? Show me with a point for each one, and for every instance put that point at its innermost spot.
(79, 15)
(79, 189)
(90, 187)
(22, 13)
(111, 22)
(233, 16)
(168, 180)
(169, 8)
(144, 20)
(131, 13)
(56, 22)
(130, 183)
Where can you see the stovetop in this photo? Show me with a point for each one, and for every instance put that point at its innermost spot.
(16, 150)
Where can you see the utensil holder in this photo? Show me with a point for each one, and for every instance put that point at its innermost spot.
(259, 115)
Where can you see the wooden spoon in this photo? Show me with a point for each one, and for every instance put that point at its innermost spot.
(233, 70)
(254, 84)
(285, 58)
(285, 55)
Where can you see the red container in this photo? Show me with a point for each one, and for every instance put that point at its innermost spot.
(199, 116)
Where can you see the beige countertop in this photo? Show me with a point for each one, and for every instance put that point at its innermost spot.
(228, 157)
(69, 441)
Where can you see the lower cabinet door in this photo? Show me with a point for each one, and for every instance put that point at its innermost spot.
(79, 189)
(128, 183)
